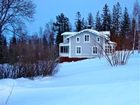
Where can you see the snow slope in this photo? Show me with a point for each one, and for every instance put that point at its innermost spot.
(87, 82)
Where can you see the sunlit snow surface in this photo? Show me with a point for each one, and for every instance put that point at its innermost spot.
(87, 82)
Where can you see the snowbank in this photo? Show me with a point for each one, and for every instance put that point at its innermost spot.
(87, 82)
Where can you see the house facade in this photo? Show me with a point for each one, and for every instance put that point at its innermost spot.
(87, 43)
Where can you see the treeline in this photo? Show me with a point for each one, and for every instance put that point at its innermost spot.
(28, 56)
(21, 54)
(118, 21)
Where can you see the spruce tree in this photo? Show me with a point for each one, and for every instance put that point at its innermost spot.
(61, 25)
(78, 23)
(125, 31)
(106, 19)
(84, 24)
(90, 21)
(116, 19)
(125, 25)
(98, 25)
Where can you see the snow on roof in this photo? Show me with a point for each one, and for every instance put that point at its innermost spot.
(110, 42)
(104, 33)
(68, 33)
(91, 30)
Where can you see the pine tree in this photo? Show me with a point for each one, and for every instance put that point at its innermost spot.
(125, 25)
(116, 19)
(78, 23)
(61, 25)
(106, 19)
(90, 21)
(84, 24)
(125, 31)
(98, 25)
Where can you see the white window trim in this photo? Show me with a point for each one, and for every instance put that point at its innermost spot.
(76, 50)
(92, 50)
(69, 47)
(89, 38)
(64, 52)
(76, 39)
(109, 49)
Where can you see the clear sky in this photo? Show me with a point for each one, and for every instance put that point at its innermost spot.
(47, 10)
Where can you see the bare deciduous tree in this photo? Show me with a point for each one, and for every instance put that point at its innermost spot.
(13, 13)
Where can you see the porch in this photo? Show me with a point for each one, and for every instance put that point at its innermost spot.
(64, 50)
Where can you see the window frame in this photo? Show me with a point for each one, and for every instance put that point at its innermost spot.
(108, 49)
(85, 41)
(98, 39)
(76, 50)
(94, 49)
(77, 38)
(64, 49)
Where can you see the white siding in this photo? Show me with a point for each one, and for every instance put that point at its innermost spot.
(86, 47)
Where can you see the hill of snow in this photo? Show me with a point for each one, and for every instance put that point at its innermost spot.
(87, 82)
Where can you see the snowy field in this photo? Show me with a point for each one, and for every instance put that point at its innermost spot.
(87, 82)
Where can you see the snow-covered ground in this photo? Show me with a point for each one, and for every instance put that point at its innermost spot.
(87, 82)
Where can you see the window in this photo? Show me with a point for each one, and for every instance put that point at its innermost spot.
(77, 39)
(108, 49)
(94, 50)
(78, 50)
(86, 38)
(98, 39)
(64, 49)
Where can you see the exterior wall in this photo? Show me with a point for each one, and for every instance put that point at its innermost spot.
(64, 39)
(87, 48)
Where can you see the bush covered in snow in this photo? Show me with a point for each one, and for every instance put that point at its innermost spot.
(18, 70)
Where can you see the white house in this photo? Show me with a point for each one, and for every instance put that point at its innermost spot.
(87, 43)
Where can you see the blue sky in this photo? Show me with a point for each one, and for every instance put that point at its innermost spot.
(47, 10)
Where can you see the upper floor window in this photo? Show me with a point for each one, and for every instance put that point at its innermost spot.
(87, 38)
(77, 39)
